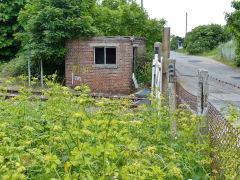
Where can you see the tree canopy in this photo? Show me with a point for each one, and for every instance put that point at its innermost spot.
(46, 24)
(127, 18)
(205, 38)
(174, 42)
(9, 11)
(233, 23)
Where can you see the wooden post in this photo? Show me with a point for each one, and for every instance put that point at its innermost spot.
(29, 73)
(41, 73)
(166, 55)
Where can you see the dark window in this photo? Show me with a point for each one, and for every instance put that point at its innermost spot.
(99, 55)
(105, 55)
(110, 55)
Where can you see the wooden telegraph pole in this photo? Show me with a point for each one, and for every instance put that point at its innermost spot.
(186, 22)
(165, 55)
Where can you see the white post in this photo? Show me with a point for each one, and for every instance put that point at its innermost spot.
(153, 75)
(72, 79)
(29, 73)
(157, 59)
(41, 73)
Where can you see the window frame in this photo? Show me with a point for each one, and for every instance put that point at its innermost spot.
(105, 55)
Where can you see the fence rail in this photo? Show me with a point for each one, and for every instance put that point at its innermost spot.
(224, 137)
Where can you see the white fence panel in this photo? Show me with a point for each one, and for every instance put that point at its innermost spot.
(157, 77)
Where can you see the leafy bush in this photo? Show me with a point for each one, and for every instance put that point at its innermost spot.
(47, 24)
(144, 69)
(233, 23)
(78, 137)
(2, 66)
(174, 43)
(205, 38)
(122, 18)
(9, 11)
(15, 67)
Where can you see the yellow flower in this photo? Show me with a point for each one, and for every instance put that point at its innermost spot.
(79, 115)
(28, 128)
(21, 169)
(1, 159)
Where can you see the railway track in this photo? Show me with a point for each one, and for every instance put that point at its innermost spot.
(136, 101)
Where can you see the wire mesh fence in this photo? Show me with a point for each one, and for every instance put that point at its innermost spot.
(224, 138)
(187, 99)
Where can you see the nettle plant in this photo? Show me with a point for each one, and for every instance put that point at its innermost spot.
(74, 136)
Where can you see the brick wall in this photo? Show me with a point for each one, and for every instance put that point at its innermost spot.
(80, 68)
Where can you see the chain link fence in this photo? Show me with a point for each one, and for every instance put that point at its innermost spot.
(224, 138)
(187, 99)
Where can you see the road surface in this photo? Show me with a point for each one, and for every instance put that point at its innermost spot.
(220, 93)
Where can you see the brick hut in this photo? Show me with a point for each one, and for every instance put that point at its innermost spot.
(105, 64)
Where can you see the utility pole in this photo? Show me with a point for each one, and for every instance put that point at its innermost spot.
(142, 3)
(186, 22)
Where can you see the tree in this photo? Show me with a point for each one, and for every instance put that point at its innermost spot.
(9, 11)
(127, 18)
(174, 43)
(205, 38)
(233, 24)
(47, 24)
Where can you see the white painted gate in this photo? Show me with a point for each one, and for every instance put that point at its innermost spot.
(157, 76)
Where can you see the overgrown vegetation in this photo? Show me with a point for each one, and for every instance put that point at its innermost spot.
(205, 38)
(174, 43)
(233, 23)
(144, 69)
(47, 24)
(78, 137)
(9, 11)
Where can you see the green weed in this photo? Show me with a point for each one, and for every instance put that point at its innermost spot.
(78, 137)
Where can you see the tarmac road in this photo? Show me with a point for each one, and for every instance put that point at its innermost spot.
(220, 93)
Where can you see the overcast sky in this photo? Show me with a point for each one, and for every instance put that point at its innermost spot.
(200, 12)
